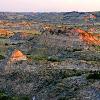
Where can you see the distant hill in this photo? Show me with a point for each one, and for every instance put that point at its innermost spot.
(53, 17)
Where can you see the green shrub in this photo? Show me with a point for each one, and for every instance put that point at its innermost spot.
(4, 96)
(97, 48)
(95, 75)
(2, 57)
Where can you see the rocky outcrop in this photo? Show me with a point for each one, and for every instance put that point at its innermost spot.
(88, 37)
(9, 64)
(17, 55)
(5, 33)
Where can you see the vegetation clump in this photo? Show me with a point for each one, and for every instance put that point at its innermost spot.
(97, 48)
(94, 75)
(54, 59)
(2, 57)
(4, 96)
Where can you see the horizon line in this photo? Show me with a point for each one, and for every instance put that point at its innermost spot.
(43, 11)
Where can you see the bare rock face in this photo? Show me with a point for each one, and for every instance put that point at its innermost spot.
(17, 55)
(88, 37)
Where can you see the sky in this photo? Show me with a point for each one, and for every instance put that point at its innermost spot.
(49, 5)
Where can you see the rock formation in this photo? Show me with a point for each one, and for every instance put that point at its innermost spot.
(88, 37)
(17, 55)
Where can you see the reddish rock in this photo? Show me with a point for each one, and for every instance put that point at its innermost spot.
(17, 56)
(88, 37)
(5, 33)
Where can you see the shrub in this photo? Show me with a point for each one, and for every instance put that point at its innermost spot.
(2, 57)
(54, 59)
(4, 96)
(97, 48)
(95, 75)
(6, 44)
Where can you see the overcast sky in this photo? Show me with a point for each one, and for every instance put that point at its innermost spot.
(49, 5)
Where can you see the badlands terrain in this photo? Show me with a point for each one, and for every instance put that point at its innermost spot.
(50, 56)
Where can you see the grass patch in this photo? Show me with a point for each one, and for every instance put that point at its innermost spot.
(97, 48)
(30, 32)
(44, 58)
(38, 57)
